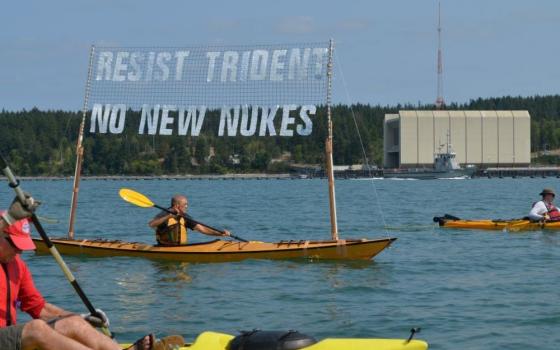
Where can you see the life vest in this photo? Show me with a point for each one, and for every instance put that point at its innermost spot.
(18, 290)
(8, 311)
(552, 211)
(172, 232)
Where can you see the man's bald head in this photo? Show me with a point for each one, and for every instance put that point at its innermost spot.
(178, 199)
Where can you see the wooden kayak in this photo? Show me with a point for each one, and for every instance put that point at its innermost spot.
(224, 251)
(221, 341)
(449, 221)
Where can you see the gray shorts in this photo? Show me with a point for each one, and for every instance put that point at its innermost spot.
(10, 337)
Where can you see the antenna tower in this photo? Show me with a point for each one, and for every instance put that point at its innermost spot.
(439, 100)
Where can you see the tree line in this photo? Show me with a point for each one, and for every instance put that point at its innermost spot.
(44, 142)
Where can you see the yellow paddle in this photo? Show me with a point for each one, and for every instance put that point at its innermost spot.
(140, 200)
(136, 198)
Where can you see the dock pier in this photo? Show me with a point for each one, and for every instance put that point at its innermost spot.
(513, 172)
(533, 172)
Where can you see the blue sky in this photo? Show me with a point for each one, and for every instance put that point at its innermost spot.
(385, 49)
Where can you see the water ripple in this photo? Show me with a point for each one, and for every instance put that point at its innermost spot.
(466, 289)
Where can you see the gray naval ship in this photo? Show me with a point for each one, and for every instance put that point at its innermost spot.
(445, 167)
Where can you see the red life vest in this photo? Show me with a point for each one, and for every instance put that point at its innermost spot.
(552, 211)
(17, 289)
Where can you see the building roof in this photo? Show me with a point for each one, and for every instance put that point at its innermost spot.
(459, 113)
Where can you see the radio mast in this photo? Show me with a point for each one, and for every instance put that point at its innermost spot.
(439, 100)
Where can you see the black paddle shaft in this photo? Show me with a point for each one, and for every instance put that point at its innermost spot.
(14, 183)
(200, 223)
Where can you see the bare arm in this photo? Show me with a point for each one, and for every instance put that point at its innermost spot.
(208, 231)
(51, 311)
(155, 222)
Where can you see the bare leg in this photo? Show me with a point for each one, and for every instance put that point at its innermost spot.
(77, 328)
(37, 334)
(80, 330)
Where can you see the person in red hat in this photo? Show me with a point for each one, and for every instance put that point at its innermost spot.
(52, 328)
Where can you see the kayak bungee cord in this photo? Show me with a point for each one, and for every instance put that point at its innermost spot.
(14, 183)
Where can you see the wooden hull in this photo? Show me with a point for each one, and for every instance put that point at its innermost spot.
(498, 225)
(224, 251)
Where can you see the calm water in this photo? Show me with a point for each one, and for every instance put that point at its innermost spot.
(466, 289)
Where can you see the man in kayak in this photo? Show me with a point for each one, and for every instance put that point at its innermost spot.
(171, 229)
(52, 328)
(544, 210)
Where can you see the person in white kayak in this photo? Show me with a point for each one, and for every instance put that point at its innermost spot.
(544, 210)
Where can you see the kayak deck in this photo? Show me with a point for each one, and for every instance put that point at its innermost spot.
(220, 341)
(449, 221)
(223, 251)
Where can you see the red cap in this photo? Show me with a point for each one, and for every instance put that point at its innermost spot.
(20, 234)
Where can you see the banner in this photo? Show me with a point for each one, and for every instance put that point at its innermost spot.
(257, 90)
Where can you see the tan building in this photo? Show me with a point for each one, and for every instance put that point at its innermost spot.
(482, 138)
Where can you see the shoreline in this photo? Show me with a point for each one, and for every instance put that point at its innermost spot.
(164, 177)
(496, 172)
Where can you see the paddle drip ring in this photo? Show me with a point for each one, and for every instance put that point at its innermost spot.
(12, 185)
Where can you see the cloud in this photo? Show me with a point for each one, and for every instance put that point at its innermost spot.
(353, 24)
(296, 25)
(26, 49)
(307, 25)
(107, 43)
(224, 24)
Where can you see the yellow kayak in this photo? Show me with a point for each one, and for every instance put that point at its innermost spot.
(221, 341)
(224, 251)
(449, 221)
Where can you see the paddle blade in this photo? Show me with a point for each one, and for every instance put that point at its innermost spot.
(135, 198)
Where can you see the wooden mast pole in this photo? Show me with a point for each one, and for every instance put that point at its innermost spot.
(80, 149)
(329, 147)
